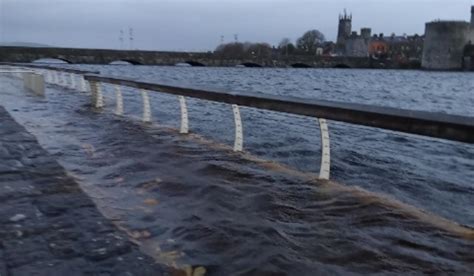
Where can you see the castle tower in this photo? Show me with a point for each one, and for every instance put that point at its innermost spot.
(472, 17)
(366, 33)
(345, 27)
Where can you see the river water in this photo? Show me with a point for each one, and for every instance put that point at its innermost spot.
(222, 212)
(378, 160)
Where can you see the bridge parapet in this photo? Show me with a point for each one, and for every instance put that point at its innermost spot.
(104, 56)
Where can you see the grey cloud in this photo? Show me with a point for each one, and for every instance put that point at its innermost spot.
(198, 25)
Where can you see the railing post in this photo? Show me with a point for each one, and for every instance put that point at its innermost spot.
(48, 76)
(42, 72)
(73, 81)
(146, 106)
(34, 81)
(325, 168)
(63, 79)
(239, 137)
(184, 116)
(56, 77)
(97, 98)
(119, 98)
(83, 83)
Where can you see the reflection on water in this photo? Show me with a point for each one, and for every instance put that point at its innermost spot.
(204, 205)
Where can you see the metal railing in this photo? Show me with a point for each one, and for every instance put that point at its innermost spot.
(437, 125)
(69, 78)
(49, 67)
(444, 126)
(98, 102)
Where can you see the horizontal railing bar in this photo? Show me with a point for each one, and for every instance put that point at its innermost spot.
(17, 71)
(437, 125)
(67, 70)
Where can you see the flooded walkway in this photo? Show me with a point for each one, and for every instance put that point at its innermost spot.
(48, 225)
(190, 201)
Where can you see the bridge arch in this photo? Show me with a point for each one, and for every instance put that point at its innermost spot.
(342, 66)
(51, 60)
(301, 65)
(195, 63)
(183, 64)
(251, 65)
(124, 62)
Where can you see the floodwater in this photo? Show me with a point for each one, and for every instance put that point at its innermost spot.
(404, 203)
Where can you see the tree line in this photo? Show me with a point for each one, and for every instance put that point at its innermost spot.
(307, 44)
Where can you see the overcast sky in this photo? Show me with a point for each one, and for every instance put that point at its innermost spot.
(196, 25)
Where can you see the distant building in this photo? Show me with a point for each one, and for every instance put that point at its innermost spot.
(358, 45)
(344, 32)
(378, 47)
(329, 48)
(405, 49)
(468, 61)
(446, 43)
(397, 48)
(349, 43)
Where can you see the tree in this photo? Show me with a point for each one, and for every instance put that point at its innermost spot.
(231, 50)
(238, 50)
(284, 42)
(310, 41)
(261, 50)
(286, 47)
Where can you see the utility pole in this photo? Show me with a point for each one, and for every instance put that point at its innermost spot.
(222, 39)
(121, 39)
(236, 38)
(130, 34)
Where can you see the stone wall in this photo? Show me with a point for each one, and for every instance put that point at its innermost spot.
(468, 64)
(444, 45)
(357, 47)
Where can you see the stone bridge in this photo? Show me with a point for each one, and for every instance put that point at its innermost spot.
(138, 57)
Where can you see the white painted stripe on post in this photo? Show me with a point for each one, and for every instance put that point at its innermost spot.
(119, 101)
(325, 169)
(184, 116)
(83, 83)
(100, 98)
(239, 136)
(93, 88)
(73, 80)
(146, 106)
(97, 98)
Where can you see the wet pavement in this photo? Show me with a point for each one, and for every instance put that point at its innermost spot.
(48, 225)
(188, 200)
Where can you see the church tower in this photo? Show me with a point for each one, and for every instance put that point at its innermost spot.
(344, 30)
(472, 17)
